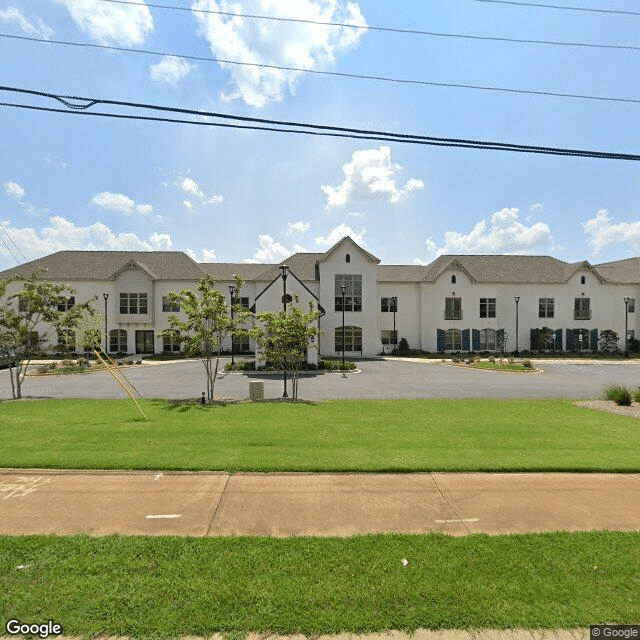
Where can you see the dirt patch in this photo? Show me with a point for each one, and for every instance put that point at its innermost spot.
(610, 406)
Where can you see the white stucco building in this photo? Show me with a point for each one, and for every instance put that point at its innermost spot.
(456, 303)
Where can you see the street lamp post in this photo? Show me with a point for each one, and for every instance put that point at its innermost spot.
(284, 272)
(517, 301)
(394, 302)
(626, 326)
(232, 291)
(344, 290)
(106, 334)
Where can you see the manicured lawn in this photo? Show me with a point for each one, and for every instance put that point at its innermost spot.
(345, 435)
(496, 366)
(163, 587)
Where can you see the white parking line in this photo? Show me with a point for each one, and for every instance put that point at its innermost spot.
(169, 515)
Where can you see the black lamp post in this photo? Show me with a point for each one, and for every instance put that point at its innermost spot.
(232, 291)
(106, 334)
(517, 300)
(394, 302)
(626, 326)
(284, 272)
(344, 290)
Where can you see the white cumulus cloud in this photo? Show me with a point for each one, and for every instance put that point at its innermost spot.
(108, 22)
(602, 232)
(170, 70)
(191, 187)
(207, 255)
(270, 250)
(506, 235)
(14, 190)
(38, 29)
(370, 175)
(62, 234)
(276, 43)
(337, 233)
(297, 227)
(120, 203)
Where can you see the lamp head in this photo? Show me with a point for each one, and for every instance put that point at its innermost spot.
(105, 295)
(284, 270)
(232, 289)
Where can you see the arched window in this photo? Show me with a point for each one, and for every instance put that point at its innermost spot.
(452, 339)
(348, 257)
(352, 339)
(118, 341)
(583, 280)
(487, 339)
(453, 279)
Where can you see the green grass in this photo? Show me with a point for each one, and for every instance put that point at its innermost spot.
(344, 435)
(163, 587)
(496, 366)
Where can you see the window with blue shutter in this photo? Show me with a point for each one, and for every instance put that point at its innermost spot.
(440, 339)
(570, 346)
(593, 340)
(466, 342)
(558, 339)
(475, 339)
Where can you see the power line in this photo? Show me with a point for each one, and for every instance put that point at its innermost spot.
(339, 74)
(9, 248)
(565, 8)
(436, 34)
(246, 122)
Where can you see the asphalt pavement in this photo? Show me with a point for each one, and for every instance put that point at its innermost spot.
(376, 378)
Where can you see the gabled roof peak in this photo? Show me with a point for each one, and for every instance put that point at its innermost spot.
(349, 240)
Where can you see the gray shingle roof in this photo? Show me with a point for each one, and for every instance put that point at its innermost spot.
(401, 273)
(225, 271)
(505, 268)
(302, 264)
(621, 271)
(102, 265)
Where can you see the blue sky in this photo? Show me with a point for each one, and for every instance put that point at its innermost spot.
(222, 195)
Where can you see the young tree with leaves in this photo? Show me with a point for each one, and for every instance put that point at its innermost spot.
(609, 341)
(30, 317)
(283, 338)
(206, 325)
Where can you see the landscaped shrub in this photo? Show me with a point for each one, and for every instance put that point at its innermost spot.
(336, 365)
(527, 364)
(619, 394)
(636, 394)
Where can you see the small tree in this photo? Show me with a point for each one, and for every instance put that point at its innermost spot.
(609, 341)
(546, 339)
(29, 319)
(283, 339)
(208, 322)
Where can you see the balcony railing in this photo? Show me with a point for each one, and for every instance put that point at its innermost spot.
(582, 314)
(453, 315)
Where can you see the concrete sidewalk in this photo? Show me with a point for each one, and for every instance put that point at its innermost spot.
(323, 504)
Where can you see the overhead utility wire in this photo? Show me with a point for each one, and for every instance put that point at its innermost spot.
(338, 74)
(436, 34)
(556, 6)
(13, 242)
(8, 247)
(298, 127)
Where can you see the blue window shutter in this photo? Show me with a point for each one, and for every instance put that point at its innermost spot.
(466, 334)
(593, 340)
(440, 339)
(475, 339)
(558, 339)
(499, 338)
(569, 339)
(533, 339)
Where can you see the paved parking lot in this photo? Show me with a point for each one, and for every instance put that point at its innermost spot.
(377, 379)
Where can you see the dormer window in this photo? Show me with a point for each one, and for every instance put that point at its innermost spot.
(453, 279)
(348, 257)
(583, 280)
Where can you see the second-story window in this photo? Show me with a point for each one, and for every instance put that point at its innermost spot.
(582, 309)
(353, 292)
(66, 303)
(487, 307)
(166, 306)
(134, 303)
(388, 304)
(453, 308)
(631, 307)
(545, 307)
